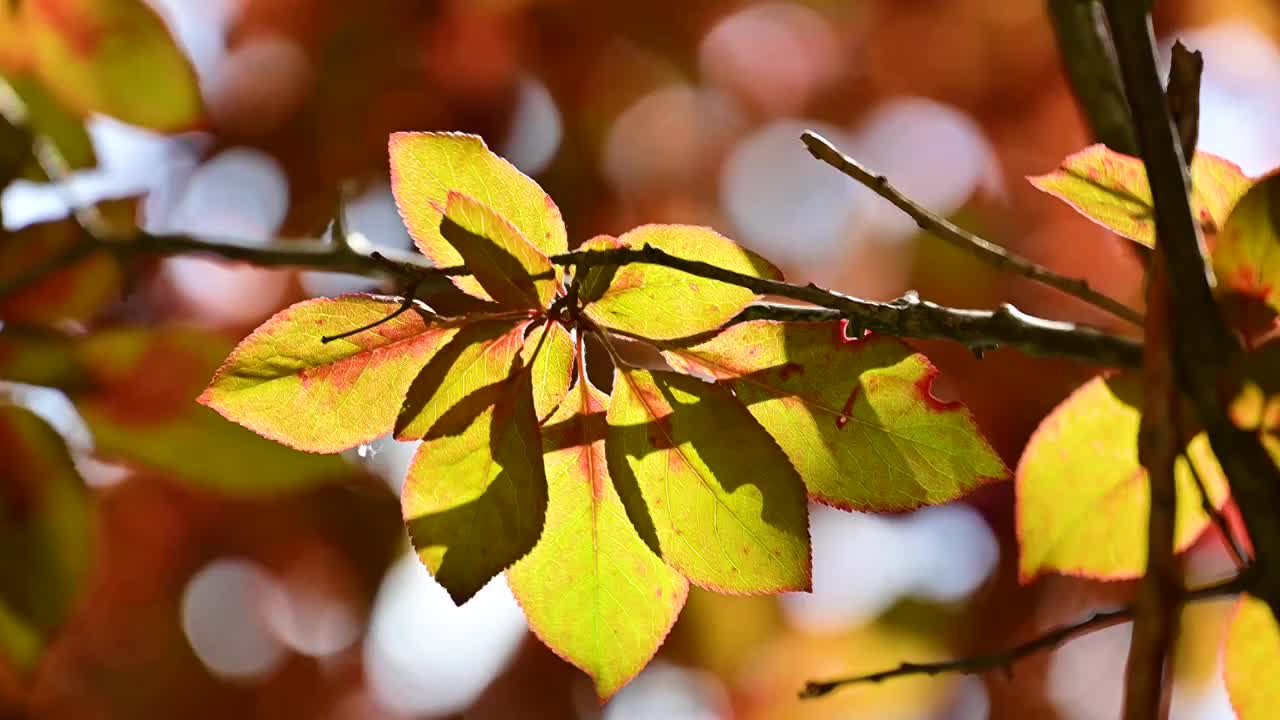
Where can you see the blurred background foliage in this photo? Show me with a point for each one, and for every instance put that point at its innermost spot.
(201, 571)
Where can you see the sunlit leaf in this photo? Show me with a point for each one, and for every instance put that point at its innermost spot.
(285, 383)
(662, 304)
(479, 356)
(1083, 498)
(425, 167)
(1246, 257)
(552, 368)
(114, 57)
(46, 535)
(591, 589)
(705, 485)
(1251, 661)
(856, 417)
(475, 497)
(15, 46)
(500, 258)
(1111, 189)
(77, 292)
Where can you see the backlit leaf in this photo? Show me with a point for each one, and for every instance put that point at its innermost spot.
(46, 535)
(659, 303)
(137, 395)
(1112, 190)
(15, 46)
(1246, 257)
(480, 355)
(552, 368)
(425, 167)
(1082, 497)
(475, 497)
(284, 383)
(705, 486)
(1251, 661)
(114, 57)
(856, 417)
(591, 589)
(499, 256)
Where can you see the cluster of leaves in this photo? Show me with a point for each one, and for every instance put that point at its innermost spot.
(601, 505)
(1082, 496)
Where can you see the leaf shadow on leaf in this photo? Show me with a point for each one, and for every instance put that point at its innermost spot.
(508, 267)
(472, 557)
(664, 434)
(433, 375)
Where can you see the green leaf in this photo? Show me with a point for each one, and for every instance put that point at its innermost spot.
(114, 57)
(705, 486)
(552, 368)
(1082, 497)
(1246, 257)
(659, 303)
(1251, 660)
(426, 167)
(480, 355)
(475, 497)
(499, 256)
(856, 417)
(591, 589)
(137, 397)
(284, 383)
(46, 535)
(48, 118)
(1111, 189)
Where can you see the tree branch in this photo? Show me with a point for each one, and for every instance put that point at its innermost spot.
(1086, 51)
(953, 234)
(1005, 659)
(1205, 351)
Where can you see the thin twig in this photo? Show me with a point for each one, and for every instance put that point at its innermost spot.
(1086, 51)
(1005, 659)
(944, 229)
(908, 316)
(1205, 350)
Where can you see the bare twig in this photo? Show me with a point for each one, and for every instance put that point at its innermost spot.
(955, 235)
(1205, 351)
(1085, 49)
(1005, 659)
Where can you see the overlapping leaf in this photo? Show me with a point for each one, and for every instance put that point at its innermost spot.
(1082, 497)
(856, 417)
(479, 356)
(475, 497)
(1246, 257)
(591, 588)
(46, 534)
(660, 303)
(426, 167)
(1251, 660)
(285, 383)
(1111, 189)
(552, 367)
(705, 486)
(114, 57)
(499, 256)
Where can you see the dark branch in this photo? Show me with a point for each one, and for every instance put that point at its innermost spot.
(1086, 51)
(1005, 659)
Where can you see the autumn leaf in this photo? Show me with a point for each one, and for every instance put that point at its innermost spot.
(48, 118)
(1082, 497)
(426, 167)
(475, 497)
(552, 367)
(857, 418)
(591, 589)
(705, 486)
(46, 535)
(660, 303)
(284, 382)
(1251, 660)
(499, 256)
(114, 57)
(78, 292)
(480, 355)
(1246, 257)
(1111, 189)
